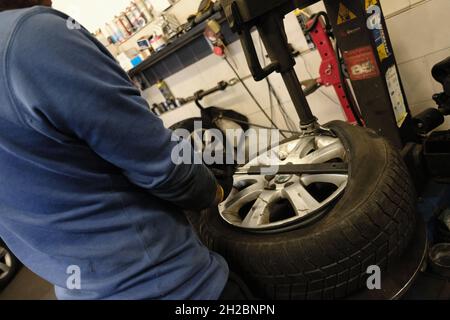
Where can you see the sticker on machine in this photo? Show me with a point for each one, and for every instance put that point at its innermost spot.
(361, 63)
(345, 14)
(397, 99)
(374, 23)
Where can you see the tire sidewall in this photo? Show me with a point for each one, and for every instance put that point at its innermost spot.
(365, 170)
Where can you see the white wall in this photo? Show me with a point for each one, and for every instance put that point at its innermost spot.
(419, 33)
(420, 36)
(92, 14)
(418, 30)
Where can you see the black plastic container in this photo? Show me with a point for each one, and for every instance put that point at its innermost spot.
(439, 257)
(437, 154)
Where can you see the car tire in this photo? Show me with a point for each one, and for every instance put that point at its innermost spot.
(9, 265)
(371, 224)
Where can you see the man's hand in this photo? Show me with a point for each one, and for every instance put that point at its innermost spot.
(224, 176)
(220, 196)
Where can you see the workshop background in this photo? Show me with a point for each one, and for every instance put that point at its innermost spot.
(414, 26)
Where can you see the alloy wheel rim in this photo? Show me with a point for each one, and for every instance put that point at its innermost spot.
(5, 263)
(262, 203)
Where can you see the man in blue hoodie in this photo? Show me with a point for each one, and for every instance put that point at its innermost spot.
(88, 186)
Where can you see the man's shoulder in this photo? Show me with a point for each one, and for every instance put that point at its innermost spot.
(26, 37)
(12, 19)
(28, 22)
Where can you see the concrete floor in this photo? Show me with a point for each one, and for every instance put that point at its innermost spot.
(28, 286)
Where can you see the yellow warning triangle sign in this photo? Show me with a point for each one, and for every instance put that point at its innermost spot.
(371, 3)
(345, 14)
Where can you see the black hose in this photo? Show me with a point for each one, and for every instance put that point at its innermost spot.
(289, 123)
(253, 97)
(347, 91)
(258, 126)
(315, 17)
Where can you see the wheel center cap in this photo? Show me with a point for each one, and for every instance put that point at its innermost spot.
(282, 179)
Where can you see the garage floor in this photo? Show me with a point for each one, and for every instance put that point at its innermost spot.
(28, 286)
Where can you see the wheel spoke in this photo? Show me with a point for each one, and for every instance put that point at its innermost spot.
(3, 252)
(240, 198)
(271, 158)
(323, 141)
(259, 213)
(340, 181)
(4, 268)
(333, 151)
(301, 200)
(336, 179)
(300, 150)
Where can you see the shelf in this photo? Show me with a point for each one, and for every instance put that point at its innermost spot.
(179, 54)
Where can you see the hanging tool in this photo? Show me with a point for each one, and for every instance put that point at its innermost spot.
(267, 17)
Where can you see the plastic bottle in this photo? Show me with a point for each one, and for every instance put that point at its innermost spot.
(114, 32)
(123, 30)
(132, 19)
(149, 5)
(143, 8)
(126, 23)
(139, 15)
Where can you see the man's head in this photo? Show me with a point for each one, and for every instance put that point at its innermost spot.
(18, 4)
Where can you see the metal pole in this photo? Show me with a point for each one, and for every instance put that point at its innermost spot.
(298, 98)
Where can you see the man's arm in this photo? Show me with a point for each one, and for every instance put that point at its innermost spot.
(61, 77)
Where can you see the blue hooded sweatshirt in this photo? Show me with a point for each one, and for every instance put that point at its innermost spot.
(90, 198)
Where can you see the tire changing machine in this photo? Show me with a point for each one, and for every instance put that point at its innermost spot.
(362, 36)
